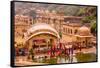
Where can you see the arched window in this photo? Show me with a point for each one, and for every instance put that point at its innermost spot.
(70, 31)
(75, 32)
(66, 30)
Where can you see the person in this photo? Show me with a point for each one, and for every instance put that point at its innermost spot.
(80, 48)
(60, 45)
(31, 54)
(22, 52)
(72, 49)
(16, 51)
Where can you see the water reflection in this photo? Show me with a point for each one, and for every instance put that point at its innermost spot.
(64, 59)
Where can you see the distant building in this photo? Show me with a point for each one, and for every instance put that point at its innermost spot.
(57, 21)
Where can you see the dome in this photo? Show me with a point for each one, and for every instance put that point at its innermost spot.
(84, 31)
(40, 28)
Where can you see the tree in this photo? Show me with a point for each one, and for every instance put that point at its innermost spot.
(32, 13)
(88, 14)
(60, 34)
(93, 28)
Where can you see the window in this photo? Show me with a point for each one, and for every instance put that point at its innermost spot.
(75, 32)
(66, 30)
(71, 31)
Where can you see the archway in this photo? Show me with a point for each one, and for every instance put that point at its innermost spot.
(38, 38)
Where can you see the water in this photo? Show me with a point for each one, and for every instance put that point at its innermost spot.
(66, 60)
(62, 60)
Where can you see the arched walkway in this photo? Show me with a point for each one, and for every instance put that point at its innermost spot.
(40, 28)
(40, 37)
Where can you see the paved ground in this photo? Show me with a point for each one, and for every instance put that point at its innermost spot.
(24, 63)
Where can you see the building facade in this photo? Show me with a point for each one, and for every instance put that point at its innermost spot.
(36, 32)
